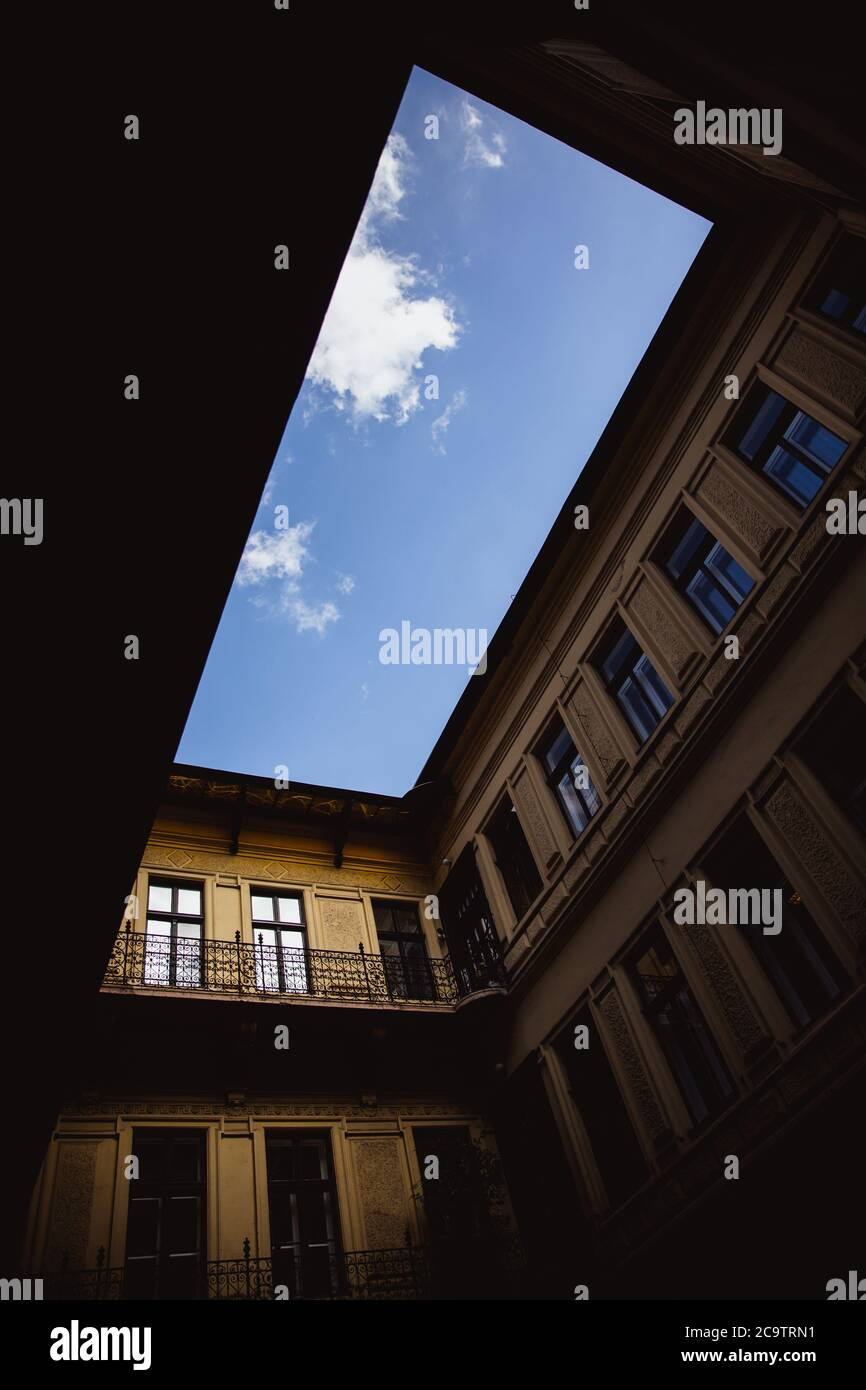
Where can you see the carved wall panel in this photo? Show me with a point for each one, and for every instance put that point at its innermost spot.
(534, 820)
(662, 628)
(737, 511)
(72, 1203)
(819, 857)
(632, 1064)
(343, 925)
(594, 731)
(743, 1024)
(804, 357)
(382, 1193)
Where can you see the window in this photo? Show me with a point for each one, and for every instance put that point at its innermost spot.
(703, 570)
(840, 292)
(599, 1102)
(792, 449)
(633, 681)
(455, 1201)
(473, 942)
(680, 1027)
(569, 779)
(798, 960)
(304, 1219)
(514, 859)
(403, 950)
(172, 948)
(834, 749)
(280, 950)
(165, 1231)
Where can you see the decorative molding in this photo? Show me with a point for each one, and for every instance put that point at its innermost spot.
(585, 711)
(343, 923)
(215, 1110)
(660, 626)
(383, 1198)
(743, 518)
(284, 870)
(735, 1007)
(533, 816)
(802, 356)
(819, 857)
(639, 1082)
(72, 1203)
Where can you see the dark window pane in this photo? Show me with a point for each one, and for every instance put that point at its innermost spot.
(561, 747)
(185, 1161)
(710, 601)
(834, 748)
(142, 1230)
(798, 959)
(823, 447)
(793, 476)
(569, 779)
(765, 418)
(620, 653)
(473, 941)
(680, 1027)
(835, 304)
(686, 550)
(789, 446)
(633, 681)
(725, 568)
(598, 1099)
(180, 1233)
(514, 859)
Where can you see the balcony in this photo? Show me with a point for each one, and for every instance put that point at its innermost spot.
(474, 1269)
(145, 962)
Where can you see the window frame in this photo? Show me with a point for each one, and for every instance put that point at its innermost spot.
(410, 971)
(511, 864)
(814, 957)
(627, 671)
(776, 438)
(277, 926)
(702, 561)
(174, 917)
(842, 273)
(716, 1101)
(554, 776)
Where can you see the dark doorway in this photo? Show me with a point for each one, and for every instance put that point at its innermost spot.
(165, 1237)
(404, 953)
(557, 1238)
(305, 1228)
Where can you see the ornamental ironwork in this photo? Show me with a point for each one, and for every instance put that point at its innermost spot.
(141, 960)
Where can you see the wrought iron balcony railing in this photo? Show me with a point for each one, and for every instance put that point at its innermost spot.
(407, 1273)
(144, 961)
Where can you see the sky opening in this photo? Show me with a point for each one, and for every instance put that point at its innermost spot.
(465, 369)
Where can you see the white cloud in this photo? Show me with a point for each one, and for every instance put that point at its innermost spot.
(275, 554)
(365, 691)
(380, 322)
(274, 561)
(441, 423)
(346, 584)
(477, 150)
(311, 617)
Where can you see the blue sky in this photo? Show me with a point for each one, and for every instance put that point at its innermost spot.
(401, 506)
